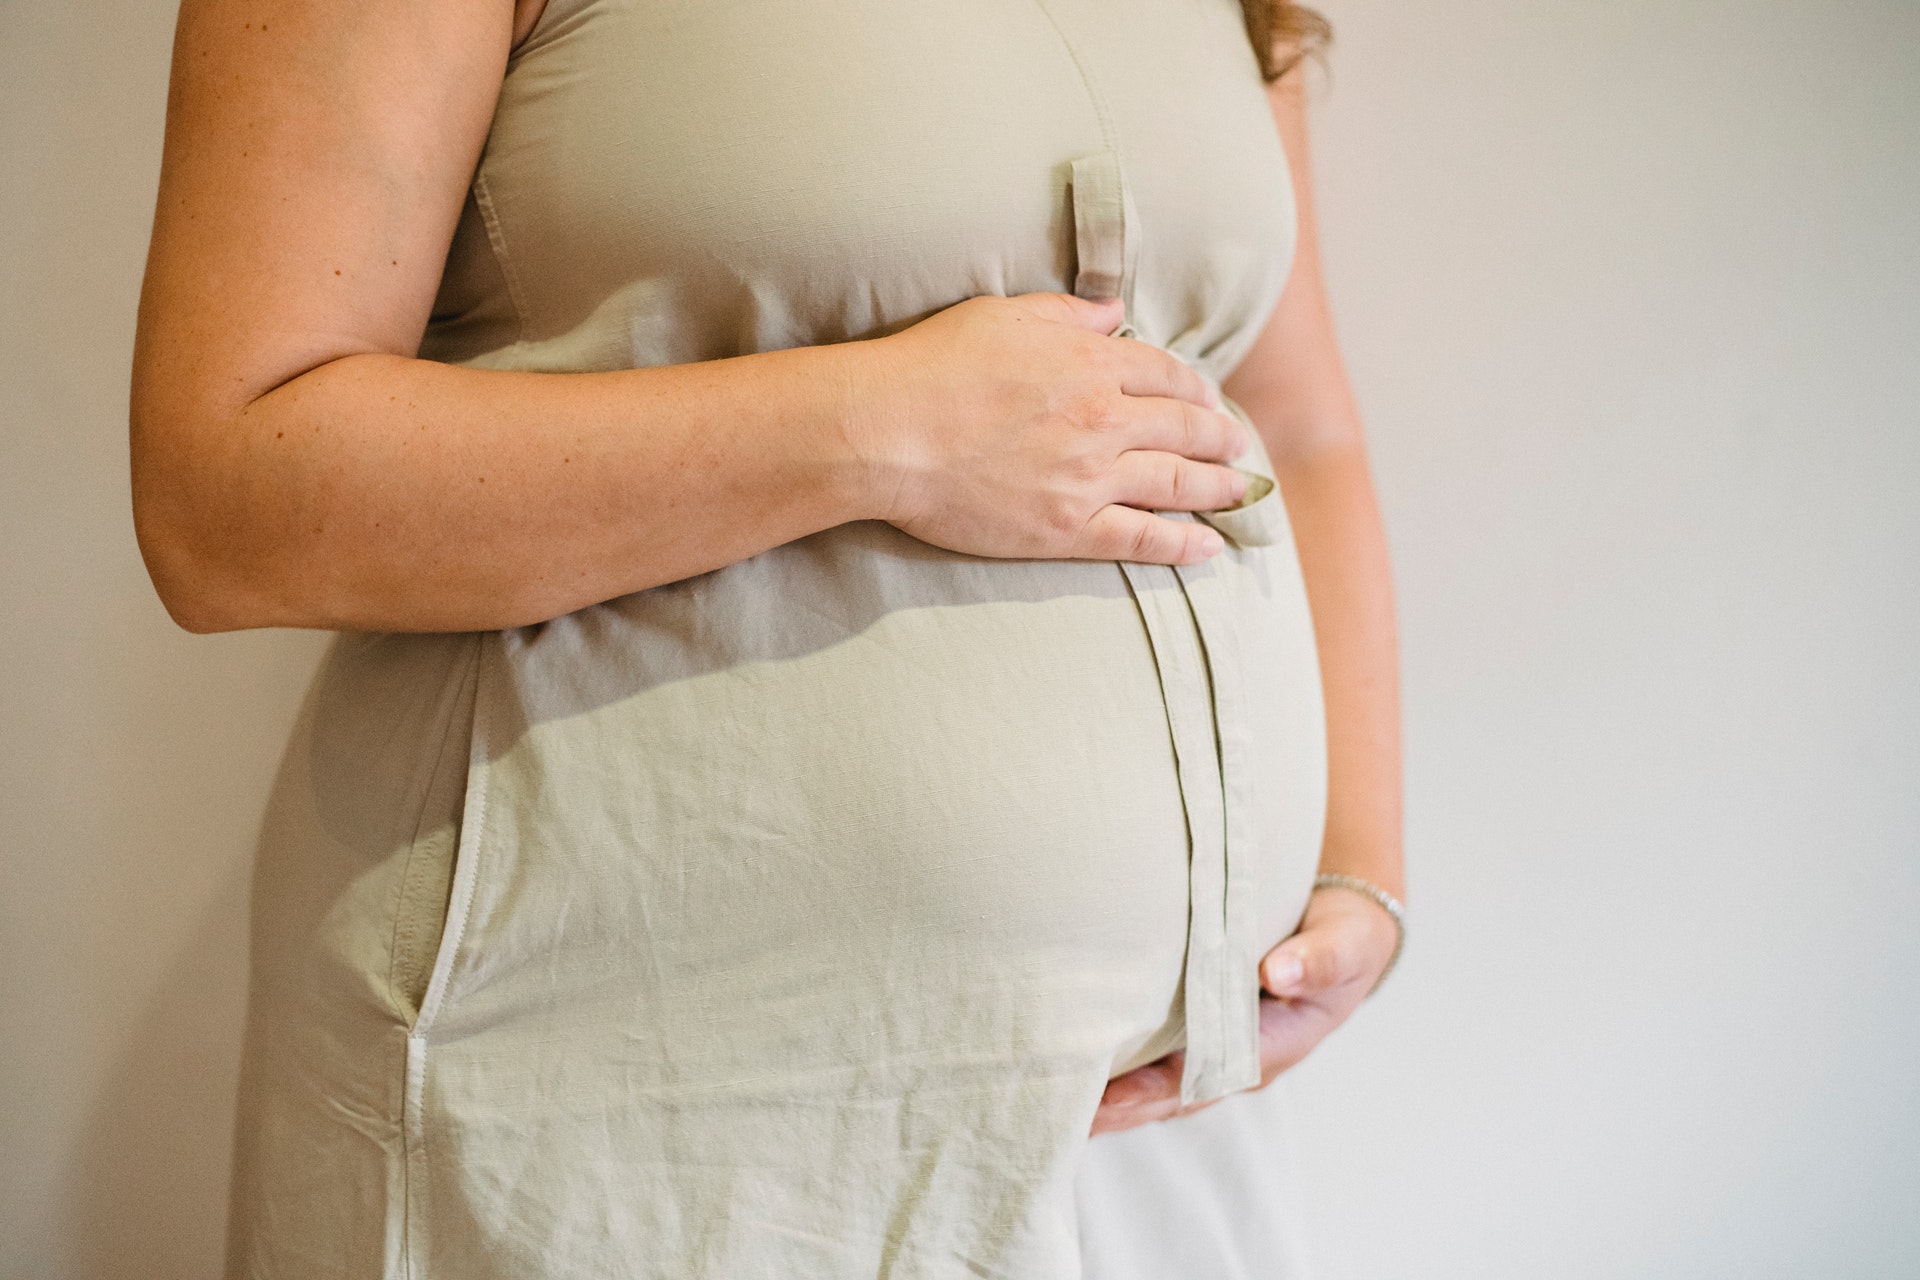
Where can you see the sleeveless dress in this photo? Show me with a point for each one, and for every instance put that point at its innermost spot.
(788, 921)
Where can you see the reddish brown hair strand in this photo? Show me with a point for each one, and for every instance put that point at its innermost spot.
(1283, 34)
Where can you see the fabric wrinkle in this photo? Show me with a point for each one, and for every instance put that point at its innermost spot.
(800, 911)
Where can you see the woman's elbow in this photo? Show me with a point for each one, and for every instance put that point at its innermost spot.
(198, 562)
(195, 587)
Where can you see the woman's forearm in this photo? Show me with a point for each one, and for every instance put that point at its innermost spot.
(293, 465)
(384, 493)
(1343, 556)
(377, 492)
(1293, 384)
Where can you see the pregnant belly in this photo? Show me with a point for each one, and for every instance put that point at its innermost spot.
(859, 807)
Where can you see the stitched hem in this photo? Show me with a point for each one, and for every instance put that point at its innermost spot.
(497, 241)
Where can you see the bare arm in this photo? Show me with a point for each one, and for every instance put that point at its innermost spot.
(1294, 387)
(295, 465)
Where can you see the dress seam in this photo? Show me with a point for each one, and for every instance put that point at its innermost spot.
(497, 242)
(417, 1167)
(1110, 141)
(406, 911)
(1108, 135)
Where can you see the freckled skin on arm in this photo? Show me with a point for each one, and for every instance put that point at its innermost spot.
(295, 465)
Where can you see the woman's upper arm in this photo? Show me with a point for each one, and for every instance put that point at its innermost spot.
(317, 157)
(1292, 382)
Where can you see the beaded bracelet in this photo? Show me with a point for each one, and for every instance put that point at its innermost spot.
(1388, 903)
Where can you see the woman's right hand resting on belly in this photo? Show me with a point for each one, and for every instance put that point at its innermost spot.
(295, 465)
(1015, 428)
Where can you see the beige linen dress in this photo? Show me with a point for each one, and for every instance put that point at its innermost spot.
(788, 921)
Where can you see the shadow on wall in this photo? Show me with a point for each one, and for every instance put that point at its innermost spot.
(150, 1170)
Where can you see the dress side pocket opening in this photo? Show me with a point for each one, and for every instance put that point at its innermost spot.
(426, 883)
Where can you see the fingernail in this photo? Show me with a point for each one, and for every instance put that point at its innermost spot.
(1283, 972)
(1211, 544)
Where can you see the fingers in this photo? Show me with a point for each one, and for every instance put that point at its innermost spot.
(1166, 482)
(1289, 1031)
(1284, 971)
(1148, 1086)
(1345, 942)
(1127, 533)
(1329, 952)
(1174, 426)
(1097, 315)
(1326, 956)
(1305, 965)
(1144, 1095)
(1147, 370)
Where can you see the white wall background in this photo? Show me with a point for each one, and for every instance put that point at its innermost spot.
(1632, 294)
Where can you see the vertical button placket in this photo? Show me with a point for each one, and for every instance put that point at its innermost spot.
(1193, 634)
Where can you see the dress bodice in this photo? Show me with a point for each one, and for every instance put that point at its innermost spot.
(679, 180)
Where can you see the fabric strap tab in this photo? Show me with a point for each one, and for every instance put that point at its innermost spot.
(1102, 215)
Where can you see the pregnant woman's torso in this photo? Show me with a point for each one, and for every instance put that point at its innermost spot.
(675, 180)
(837, 881)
